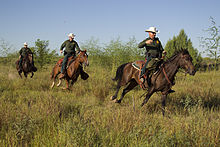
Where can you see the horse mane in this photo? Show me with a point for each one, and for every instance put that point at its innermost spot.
(177, 52)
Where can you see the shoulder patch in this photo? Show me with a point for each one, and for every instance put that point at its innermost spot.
(157, 42)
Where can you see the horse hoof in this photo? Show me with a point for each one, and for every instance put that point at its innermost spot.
(112, 98)
(117, 101)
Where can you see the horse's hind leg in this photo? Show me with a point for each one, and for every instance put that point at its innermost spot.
(59, 83)
(54, 75)
(116, 93)
(130, 86)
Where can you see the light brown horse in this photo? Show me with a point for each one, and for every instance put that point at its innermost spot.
(161, 81)
(74, 69)
(27, 66)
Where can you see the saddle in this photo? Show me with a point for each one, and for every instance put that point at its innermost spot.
(138, 64)
(70, 60)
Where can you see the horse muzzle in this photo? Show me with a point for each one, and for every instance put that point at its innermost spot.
(86, 63)
(192, 72)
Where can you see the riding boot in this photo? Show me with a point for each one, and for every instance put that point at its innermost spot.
(143, 70)
(20, 69)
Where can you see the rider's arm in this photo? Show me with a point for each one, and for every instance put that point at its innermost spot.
(63, 45)
(77, 48)
(142, 44)
(20, 52)
(161, 50)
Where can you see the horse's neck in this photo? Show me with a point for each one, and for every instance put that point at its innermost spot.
(172, 68)
(76, 63)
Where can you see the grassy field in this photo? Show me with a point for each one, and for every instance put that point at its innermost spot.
(31, 114)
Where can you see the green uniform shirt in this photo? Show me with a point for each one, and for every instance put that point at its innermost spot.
(70, 46)
(25, 51)
(155, 49)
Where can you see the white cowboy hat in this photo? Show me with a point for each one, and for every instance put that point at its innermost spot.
(152, 29)
(71, 35)
(25, 43)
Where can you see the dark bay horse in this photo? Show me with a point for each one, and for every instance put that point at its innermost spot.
(27, 66)
(73, 71)
(162, 80)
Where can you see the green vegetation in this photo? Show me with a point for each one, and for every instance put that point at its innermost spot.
(179, 42)
(211, 43)
(33, 114)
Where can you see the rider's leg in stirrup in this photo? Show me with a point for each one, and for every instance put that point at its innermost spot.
(20, 63)
(63, 68)
(143, 70)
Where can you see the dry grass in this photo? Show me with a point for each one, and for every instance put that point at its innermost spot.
(33, 114)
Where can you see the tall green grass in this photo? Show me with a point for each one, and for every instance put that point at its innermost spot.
(32, 114)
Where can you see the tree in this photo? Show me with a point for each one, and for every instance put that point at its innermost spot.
(42, 52)
(211, 43)
(182, 42)
(5, 48)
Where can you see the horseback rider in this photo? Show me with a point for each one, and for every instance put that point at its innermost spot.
(153, 54)
(24, 51)
(70, 45)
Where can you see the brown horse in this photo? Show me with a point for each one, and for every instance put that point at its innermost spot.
(162, 80)
(74, 69)
(27, 66)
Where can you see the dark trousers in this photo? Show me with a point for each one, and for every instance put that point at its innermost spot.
(145, 65)
(20, 62)
(65, 60)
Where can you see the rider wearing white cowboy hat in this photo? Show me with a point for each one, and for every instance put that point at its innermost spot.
(154, 50)
(23, 52)
(70, 46)
(153, 30)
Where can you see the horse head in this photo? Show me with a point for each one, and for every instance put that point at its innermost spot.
(186, 62)
(83, 58)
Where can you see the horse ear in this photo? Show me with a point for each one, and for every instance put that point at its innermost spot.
(85, 50)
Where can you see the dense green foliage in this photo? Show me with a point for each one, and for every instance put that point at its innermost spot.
(115, 53)
(42, 52)
(179, 42)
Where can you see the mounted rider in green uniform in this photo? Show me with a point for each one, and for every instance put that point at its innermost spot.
(25, 51)
(154, 52)
(70, 46)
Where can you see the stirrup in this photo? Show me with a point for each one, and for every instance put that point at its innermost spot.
(142, 80)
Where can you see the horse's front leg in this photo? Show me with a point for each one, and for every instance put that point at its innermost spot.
(67, 84)
(73, 81)
(149, 94)
(25, 74)
(20, 74)
(32, 74)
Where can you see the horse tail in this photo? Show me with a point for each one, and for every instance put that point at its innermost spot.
(119, 72)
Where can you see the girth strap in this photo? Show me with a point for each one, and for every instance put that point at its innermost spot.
(165, 74)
